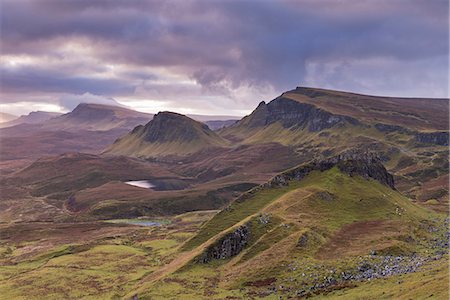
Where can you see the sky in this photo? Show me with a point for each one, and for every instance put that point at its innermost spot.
(216, 57)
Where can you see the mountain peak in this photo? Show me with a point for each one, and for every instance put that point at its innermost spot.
(92, 116)
(291, 113)
(168, 133)
(169, 126)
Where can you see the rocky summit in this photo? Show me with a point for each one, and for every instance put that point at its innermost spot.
(169, 126)
(167, 133)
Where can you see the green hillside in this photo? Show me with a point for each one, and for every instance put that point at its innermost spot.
(167, 134)
(309, 237)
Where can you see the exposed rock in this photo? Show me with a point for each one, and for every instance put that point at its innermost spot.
(167, 134)
(326, 196)
(264, 218)
(291, 113)
(303, 240)
(352, 163)
(436, 138)
(391, 128)
(367, 167)
(229, 245)
(168, 126)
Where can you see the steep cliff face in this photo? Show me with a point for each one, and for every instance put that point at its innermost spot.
(292, 113)
(436, 138)
(229, 245)
(351, 163)
(168, 126)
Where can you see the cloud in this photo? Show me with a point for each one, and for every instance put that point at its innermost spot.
(222, 53)
(69, 102)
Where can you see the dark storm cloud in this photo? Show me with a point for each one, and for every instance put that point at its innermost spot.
(224, 45)
(45, 80)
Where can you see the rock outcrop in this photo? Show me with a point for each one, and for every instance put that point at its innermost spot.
(169, 126)
(352, 163)
(366, 165)
(436, 138)
(229, 245)
(388, 128)
(291, 113)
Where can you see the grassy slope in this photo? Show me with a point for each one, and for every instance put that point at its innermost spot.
(359, 200)
(178, 142)
(294, 210)
(151, 263)
(77, 263)
(430, 283)
(416, 166)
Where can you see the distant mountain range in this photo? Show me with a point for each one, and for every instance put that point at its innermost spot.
(5, 117)
(88, 128)
(301, 125)
(299, 117)
(34, 117)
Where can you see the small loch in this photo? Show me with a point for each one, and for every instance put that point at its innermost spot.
(160, 184)
(139, 222)
(146, 184)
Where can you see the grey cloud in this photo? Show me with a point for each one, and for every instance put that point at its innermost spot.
(226, 45)
(29, 79)
(69, 102)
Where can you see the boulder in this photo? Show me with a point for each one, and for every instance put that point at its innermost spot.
(229, 245)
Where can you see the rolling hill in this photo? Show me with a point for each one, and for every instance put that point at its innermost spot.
(34, 117)
(98, 117)
(167, 134)
(5, 117)
(88, 128)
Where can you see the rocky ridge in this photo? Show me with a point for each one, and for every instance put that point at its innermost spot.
(291, 113)
(366, 165)
(352, 163)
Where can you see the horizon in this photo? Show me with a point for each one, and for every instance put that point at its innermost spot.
(120, 105)
(222, 59)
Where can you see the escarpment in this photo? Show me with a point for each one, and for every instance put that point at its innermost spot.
(229, 245)
(436, 138)
(290, 113)
(365, 165)
(352, 163)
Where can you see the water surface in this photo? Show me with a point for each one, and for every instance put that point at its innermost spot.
(138, 222)
(146, 184)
